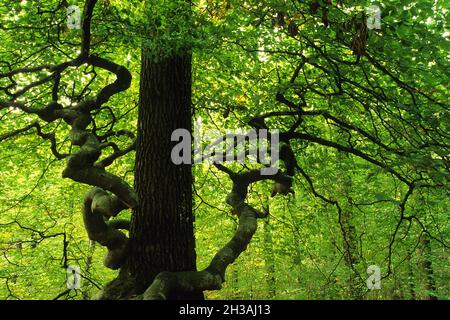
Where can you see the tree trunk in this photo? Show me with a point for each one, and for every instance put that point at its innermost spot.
(430, 283)
(235, 294)
(348, 230)
(268, 258)
(411, 278)
(162, 232)
(162, 235)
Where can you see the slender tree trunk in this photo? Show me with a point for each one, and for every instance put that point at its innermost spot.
(235, 295)
(348, 230)
(234, 279)
(268, 257)
(350, 253)
(411, 278)
(85, 291)
(430, 283)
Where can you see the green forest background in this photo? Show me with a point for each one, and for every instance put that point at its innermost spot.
(240, 63)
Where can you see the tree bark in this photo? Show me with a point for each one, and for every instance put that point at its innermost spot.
(162, 235)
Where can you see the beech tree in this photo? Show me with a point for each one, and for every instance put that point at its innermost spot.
(361, 111)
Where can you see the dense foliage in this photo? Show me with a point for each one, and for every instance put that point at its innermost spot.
(364, 110)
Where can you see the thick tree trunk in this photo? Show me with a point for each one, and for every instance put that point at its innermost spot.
(161, 235)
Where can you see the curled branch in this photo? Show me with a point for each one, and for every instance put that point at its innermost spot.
(212, 277)
(98, 204)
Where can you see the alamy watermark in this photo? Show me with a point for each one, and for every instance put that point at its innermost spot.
(374, 279)
(73, 278)
(73, 17)
(373, 14)
(254, 146)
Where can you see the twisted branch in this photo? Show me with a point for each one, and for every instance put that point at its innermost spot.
(212, 277)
